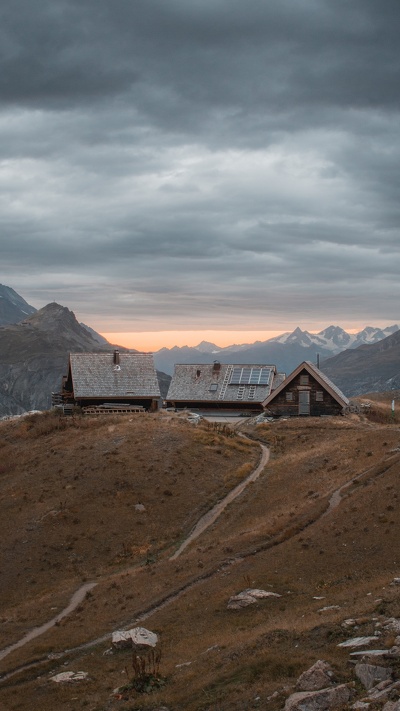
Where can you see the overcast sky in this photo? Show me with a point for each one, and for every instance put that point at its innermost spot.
(202, 164)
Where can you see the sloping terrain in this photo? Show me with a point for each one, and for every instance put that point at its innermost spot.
(109, 502)
(13, 308)
(368, 368)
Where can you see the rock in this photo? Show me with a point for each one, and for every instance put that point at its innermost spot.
(357, 642)
(359, 705)
(138, 639)
(377, 694)
(392, 706)
(370, 674)
(140, 508)
(323, 700)
(392, 625)
(69, 676)
(248, 597)
(319, 676)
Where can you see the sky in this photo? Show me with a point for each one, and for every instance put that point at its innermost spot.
(210, 166)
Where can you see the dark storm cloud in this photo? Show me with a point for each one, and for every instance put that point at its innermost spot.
(213, 160)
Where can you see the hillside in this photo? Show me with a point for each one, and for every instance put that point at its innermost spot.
(368, 368)
(87, 500)
(13, 308)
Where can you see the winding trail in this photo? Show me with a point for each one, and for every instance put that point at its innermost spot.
(207, 520)
(75, 600)
(212, 515)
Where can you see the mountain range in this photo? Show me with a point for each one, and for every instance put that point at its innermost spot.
(34, 352)
(285, 351)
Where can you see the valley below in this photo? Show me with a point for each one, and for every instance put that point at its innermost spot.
(104, 506)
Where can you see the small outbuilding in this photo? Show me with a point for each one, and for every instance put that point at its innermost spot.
(221, 386)
(116, 379)
(306, 391)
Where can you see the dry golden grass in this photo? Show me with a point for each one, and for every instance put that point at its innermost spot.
(273, 537)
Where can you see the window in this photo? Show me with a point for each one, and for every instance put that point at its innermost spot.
(289, 397)
(304, 379)
(319, 396)
(213, 387)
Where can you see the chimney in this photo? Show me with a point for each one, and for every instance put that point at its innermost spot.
(116, 357)
(216, 366)
(318, 361)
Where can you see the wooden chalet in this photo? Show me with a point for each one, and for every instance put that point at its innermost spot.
(112, 379)
(221, 386)
(306, 391)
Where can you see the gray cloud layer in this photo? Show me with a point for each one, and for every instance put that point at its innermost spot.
(210, 163)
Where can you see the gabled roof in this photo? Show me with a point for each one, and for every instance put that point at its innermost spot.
(319, 376)
(95, 375)
(223, 382)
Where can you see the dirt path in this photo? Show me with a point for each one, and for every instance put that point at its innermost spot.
(212, 515)
(206, 521)
(75, 600)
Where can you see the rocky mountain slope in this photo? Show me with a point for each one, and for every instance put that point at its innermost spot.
(13, 308)
(285, 351)
(109, 503)
(368, 368)
(34, 356)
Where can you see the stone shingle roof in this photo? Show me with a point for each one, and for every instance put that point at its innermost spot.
(94, 375)
(204, 383)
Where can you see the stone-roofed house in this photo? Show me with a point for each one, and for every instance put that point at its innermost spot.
(221, 386)
(306, 391)
(114, 378)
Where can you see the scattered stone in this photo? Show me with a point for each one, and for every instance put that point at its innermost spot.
(248, 597)
(349, 623)
(329, 607)
(184, 664)
(319, 676)
(370, 674)
(322, 700)
(140, 508)
(68, 676)
(392, 706)
(359, 705)
(377, 694)
(392, 625)
(138, 639)
(357, 642)
(396, 581)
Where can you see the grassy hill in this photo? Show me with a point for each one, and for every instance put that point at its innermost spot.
(110, 501)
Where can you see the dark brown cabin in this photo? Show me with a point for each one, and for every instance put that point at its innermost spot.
(306, 392)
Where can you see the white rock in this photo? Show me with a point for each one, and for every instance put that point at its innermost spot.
(248, 597)
(357, 642)
(69, 676)
(138, 638)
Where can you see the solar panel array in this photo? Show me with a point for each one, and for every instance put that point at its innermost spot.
(250, 376)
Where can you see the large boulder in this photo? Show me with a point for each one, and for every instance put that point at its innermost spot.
(139, 639)
(323, 700)
(319, 676)
(248, 597)
(371, 674)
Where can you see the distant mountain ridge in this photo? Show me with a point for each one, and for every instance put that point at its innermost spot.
(369, 368)
(285, 351)
(13, 308)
